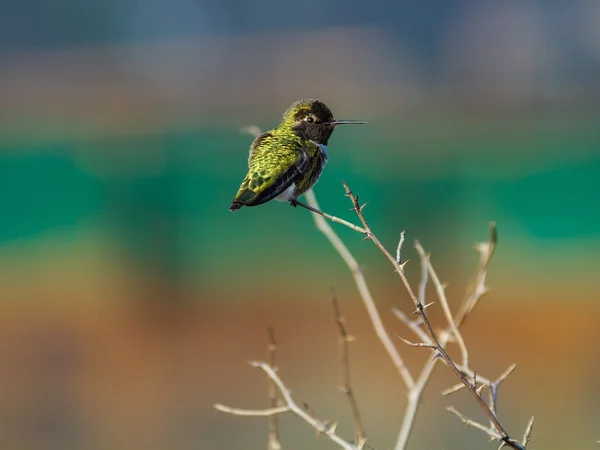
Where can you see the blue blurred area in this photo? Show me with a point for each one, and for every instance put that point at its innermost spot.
(103, 22)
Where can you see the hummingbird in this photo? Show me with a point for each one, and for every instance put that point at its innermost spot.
(287, 161)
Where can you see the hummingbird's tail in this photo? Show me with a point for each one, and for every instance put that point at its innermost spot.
(235, 205)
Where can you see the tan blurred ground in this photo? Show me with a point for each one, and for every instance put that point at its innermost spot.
(132, 377)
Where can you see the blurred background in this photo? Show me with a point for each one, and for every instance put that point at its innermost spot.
(130, 297)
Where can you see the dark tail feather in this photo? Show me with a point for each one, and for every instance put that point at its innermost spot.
(235, 205)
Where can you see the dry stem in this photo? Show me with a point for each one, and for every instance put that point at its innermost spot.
(426, 335)
(274, 443)
(363, 288)
(322, 427)
(345, 338)
(433, 341)
(441, 291)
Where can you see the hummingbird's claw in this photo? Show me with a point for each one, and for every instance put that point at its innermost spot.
(294, 202)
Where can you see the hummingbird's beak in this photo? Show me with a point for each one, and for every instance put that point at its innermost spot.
(346, 122)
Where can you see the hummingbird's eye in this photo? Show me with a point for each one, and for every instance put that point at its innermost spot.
(310, 119)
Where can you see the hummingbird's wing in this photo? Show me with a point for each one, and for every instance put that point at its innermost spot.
(273, 165)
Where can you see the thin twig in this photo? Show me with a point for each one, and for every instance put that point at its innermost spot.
(424, 278)
(332, 218)
(440, 289)
(477, 287)
(496, 384)
(274, 443)
(415, 344)
(363, 290)
(414, 325)
(527, 434)
(491, 432)
(428, 328)
(415, 389)
(251, 412)
(345, 339)
(414, 396)
(399, 249)
(290, 405)
(420, 310)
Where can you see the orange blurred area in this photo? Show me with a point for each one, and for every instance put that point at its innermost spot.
(121, 378)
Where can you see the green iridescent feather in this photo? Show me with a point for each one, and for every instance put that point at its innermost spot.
(289, 159)
(276, 160)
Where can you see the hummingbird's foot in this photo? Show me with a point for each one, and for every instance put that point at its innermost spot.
(294, 202)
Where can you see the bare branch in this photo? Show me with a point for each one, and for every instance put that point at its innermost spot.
(290, 405)
(424, 278)
(251, 412)
(425, 258)
(363, 290)
(415, 344)
(399, 249)
(491, 432)
(527, 434)
(468, 372)
(414, 325)
(361, 436)
(332, 218)
(273, 443)
(440, 351)
(469, 380)
(477, 287)
(451, 390)
(415, 389)
(496, 384)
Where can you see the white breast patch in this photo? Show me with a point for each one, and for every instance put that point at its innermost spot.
(287, 195)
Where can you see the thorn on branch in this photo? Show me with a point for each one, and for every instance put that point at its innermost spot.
(437, 354)
(421, 308)
(428, 305)
(480, 389)
(331, 428)
(455, 322)
(415, 344)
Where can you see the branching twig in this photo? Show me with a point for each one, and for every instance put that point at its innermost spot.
(363, 290)
(496, 384)
(414, 325)
(420, 310)
(445, 336)
(345, 338)
(290, 405)
(491, 432)
(421, 326)
(477, 287)
(441, 291)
